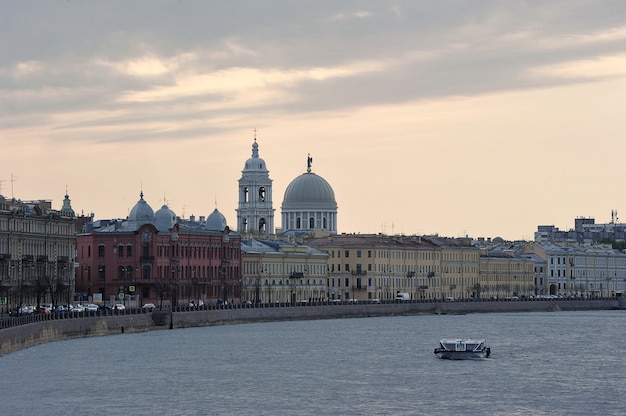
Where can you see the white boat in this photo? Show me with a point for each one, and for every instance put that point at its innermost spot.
(462, 349)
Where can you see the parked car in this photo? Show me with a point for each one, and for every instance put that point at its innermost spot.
(375, 300)
(63, 308)
(45, 308)
(196, 303)
(78, 308)
(23, 310)
(119, 307)
(91, 307)
(148, 306)
(353, 301)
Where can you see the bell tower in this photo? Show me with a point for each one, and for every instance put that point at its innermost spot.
(255, 213)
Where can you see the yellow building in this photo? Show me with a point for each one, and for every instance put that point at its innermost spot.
(505, 275)
(281, 272)
(460, 266)
(375, 266)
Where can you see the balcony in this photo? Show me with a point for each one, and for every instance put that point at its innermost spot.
(358, 272)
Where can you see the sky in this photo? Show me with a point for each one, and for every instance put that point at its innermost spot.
(457, 118)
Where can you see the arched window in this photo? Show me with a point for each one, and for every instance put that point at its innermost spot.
(298, 226)
(262, 194)
(245, 194)
(244, 225)
(262, 224)
(311, 222)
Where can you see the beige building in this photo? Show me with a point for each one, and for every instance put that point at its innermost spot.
(376, 266)
(459, 268)
(37, 249)
(505, 274)
(282, 272)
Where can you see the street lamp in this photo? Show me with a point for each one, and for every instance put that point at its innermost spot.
(127, 271)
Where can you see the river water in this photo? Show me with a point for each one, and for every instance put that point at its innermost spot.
(555, 363)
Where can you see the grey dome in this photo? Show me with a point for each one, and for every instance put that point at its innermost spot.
(255, 163)
(309, 191)
(165, 218)
(141, 212)
(216, 221)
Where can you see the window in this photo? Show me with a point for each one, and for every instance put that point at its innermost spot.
(245, 194)
(129, 251)
(262, 194)
(369, 253)
(311, 222)
(347, 254)
(101, 272)
(358, 253)
(347, 267)
(101, 251)
(120, 250)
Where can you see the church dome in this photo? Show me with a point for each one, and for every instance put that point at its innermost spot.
(141, 212)
(255, 163)
(309, 191)
(165, 218)
(216, 221)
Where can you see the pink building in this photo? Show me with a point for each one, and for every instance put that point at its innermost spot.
(158, 258)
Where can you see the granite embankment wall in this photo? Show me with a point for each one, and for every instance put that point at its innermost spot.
(37, 332)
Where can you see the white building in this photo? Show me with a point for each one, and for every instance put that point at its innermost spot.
(255, 213)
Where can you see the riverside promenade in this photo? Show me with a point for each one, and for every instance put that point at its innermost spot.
(23, 332)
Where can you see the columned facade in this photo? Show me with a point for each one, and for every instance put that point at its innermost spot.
(309, 205)
(37, 249)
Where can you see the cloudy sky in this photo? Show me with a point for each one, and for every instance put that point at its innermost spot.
(479, 118)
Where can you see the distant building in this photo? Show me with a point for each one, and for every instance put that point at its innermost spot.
(158, 257)
(37, 248)
(275, 271)
(376, 266)
(581, 270)
(255, 212)
(585, 231)
(505, 274)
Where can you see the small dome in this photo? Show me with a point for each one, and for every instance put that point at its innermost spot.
(255, 163)
(165, 218)
(216, 221)
(309, 191)
(141, 212)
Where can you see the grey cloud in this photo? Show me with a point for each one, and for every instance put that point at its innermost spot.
(470, 47)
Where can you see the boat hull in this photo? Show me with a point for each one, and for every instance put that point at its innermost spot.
(461, 355)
